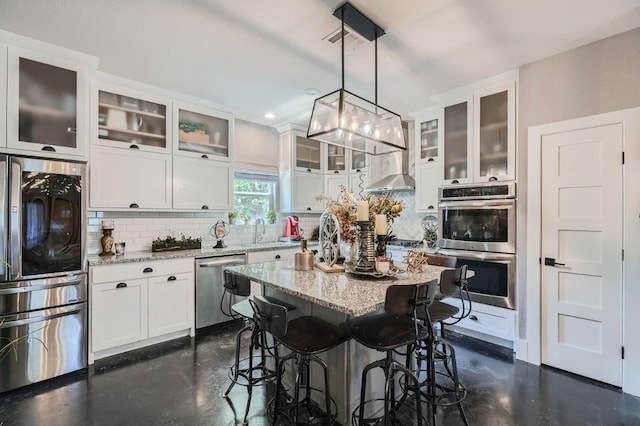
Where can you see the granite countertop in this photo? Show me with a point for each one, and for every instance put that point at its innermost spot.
(143, 256)
(350, 294)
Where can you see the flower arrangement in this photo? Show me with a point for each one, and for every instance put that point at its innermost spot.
(345, 209)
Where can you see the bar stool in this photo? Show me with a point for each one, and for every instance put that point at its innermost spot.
(385, 332)
(305, 337)
(253, 375)
(439, 349)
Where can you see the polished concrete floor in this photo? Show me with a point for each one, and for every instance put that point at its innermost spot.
(180, 383)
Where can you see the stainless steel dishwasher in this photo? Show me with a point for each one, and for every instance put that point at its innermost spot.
(210, 287)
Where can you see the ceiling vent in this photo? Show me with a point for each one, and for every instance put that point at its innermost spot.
(352, 40)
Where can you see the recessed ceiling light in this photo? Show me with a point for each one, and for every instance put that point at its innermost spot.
(269, 115)
(311, 91)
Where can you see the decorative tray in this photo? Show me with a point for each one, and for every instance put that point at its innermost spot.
(393, 271)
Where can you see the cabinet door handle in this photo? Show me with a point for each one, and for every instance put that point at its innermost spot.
(205, 207)
(430, 160)
(205, 156)
(336, 172)
(72, 130)
(147, 270)
(277, 256)
(493, 179)
(308, 209)
(358, 171)
(172, 278)
(473, 317)
(48, 148)
(134, 146)
(121, 285)
(134, 206)
(430, 208)
(308, 170)
(455, 181)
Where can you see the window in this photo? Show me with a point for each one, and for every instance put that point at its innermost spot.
(254, 195)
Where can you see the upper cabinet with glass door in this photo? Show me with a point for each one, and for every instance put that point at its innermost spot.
(128, 119)
(46, 103)
(494, 133)
(336, 159)
(479, 141)
(307, 155)
(202, 132)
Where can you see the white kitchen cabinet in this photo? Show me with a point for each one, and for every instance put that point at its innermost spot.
(336, 159)
(170, 304)
(479, 141)
(47, 104)
(428, 179)
(202, 184)
(119, 313)
(333, 182)
(486, 322)
(301, 172)
(129, 179)
(305, 189)
(128, 118)
(139, 303)
(202, 132)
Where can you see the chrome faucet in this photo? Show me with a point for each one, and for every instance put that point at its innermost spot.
(257, 237)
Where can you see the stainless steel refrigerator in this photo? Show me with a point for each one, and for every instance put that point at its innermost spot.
(43, 288)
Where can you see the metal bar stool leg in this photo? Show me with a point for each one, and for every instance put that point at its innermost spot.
(236, 365)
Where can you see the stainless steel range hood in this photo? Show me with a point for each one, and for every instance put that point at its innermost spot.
(393, 172)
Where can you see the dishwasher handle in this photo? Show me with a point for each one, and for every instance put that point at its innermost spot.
(218, 263)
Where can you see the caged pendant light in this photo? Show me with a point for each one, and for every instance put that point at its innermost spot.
(345, 119)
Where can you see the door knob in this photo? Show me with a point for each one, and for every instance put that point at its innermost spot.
(550, 261)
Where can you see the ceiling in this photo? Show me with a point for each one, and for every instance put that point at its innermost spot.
(254, 56)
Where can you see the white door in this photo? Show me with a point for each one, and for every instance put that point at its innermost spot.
(582, 232)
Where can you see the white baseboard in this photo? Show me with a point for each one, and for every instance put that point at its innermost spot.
(522, 350)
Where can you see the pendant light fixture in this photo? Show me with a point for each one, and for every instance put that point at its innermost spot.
(345, 119)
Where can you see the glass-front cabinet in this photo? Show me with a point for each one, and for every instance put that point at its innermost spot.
(308, 155)
(336, 159)
(457, 142)
(428, 131)
(46, 103)
(479, 139)
(428, 163)
(132, 120)
(494, 133)
(202, 132)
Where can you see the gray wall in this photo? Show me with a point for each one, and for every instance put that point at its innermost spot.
(600, 77)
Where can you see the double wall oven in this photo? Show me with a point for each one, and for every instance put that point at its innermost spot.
(477, 225)
(43, 289)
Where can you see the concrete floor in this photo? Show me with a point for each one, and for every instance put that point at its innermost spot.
(180, 383)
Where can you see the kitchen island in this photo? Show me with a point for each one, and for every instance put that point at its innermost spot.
(335, 297)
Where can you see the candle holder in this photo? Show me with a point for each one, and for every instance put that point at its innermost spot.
(381, 248)
(107, 240)
(365, 263)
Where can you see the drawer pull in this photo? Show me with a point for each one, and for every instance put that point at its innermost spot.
(205, 207)
(205, 156)
(134, 146)
(171, 278)
(134, 206)
(473, 317)
(277, 256)
(48, 148)
(430, 160)
(430, 208)
(121, 285)
(147, 270)
(455, 181)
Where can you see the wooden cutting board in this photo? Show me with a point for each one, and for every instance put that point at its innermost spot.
(326, 268)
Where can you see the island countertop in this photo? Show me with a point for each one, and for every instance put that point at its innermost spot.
(350, 294)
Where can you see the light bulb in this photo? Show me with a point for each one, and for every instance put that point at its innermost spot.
(376, 132)
(366, 129)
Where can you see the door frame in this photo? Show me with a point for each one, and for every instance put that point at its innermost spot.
(531, 344)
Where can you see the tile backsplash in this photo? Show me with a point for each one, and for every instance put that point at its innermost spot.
(139, 229)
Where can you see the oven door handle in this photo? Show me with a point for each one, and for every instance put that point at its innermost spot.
(466, 254)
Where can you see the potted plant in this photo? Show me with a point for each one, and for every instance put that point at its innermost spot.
(245, 218)
(271, 217)
(232, 217)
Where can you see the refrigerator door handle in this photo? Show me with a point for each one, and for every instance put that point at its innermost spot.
(15, 190)
(4, 273)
